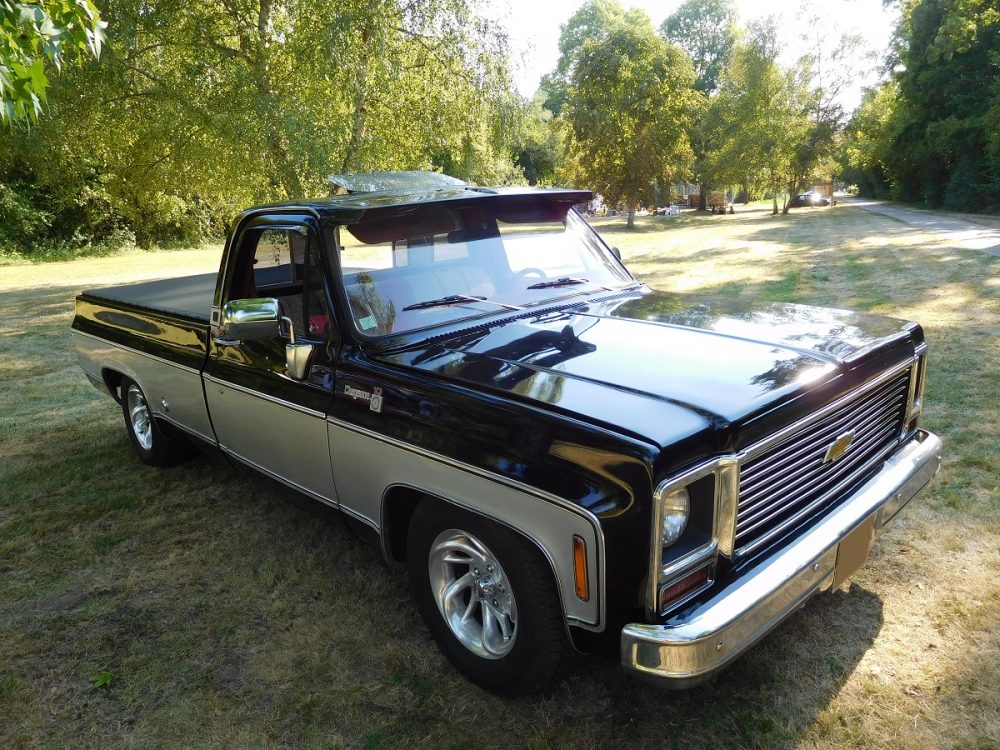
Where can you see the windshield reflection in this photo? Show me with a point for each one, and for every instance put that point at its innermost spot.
(435, 265)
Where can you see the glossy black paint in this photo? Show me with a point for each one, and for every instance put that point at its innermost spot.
(172, 337)
(690, 376)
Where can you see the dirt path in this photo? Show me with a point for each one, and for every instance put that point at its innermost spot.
(964, 234)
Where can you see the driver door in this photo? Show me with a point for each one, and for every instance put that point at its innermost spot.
(262, 413)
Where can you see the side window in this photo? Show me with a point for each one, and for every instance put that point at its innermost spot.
(273, 263)
(285, 264)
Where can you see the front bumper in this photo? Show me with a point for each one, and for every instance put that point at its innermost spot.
(687, 650)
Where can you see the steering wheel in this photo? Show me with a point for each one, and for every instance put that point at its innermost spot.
(530, 270)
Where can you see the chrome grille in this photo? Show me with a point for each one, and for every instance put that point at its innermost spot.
(791, 481)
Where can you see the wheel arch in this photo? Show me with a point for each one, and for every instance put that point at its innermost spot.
(113, 378)
(398, 503)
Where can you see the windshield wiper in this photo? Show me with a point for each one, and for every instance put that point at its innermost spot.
(455, 299)
(564, 281)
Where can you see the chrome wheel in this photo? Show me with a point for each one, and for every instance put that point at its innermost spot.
(472, 593)
(138, 414)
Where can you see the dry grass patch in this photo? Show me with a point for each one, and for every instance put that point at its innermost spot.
(198, 607)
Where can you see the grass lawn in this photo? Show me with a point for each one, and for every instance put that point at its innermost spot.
(198, 607)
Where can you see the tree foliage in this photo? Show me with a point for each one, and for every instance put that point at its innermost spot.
(706, 30)
(198, 109)
(631, 97)
(766, 119)
(34, 33)
(593, 20)
(932, 135)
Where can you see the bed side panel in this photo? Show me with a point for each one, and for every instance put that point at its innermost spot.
(163, 353)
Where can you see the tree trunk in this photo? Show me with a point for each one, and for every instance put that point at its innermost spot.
(360, 104)
(631, 217)
(267, 102)
(703, 197)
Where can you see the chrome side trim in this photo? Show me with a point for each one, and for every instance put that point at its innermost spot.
(357, 491)
(299, 488)
(771, 440)
(363, 518)
(468, 467)
(130, 350)
(169, 386)
(687, 650)
(264, 396)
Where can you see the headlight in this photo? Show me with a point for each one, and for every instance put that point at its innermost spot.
(675, 508)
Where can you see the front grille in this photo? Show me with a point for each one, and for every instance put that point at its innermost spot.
(791, 482)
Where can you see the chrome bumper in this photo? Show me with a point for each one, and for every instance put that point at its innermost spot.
(686, 651)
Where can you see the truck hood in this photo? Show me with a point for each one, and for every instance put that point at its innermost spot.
(668, 367)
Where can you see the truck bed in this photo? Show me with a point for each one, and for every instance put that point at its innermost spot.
(188, 296)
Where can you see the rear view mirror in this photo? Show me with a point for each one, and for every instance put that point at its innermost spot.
(250, 319)
(616, 252)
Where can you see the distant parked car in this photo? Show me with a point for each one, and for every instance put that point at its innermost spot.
(806, 200)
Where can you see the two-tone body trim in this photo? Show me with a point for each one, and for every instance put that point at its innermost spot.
(173, 390)
(370, 463)
(263, 396)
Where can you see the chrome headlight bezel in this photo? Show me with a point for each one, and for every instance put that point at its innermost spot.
(915, 395)
(718, 517)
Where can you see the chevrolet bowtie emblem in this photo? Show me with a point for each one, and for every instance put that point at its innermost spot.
(839, 447)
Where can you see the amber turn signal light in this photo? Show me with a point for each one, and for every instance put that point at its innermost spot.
(580, 569)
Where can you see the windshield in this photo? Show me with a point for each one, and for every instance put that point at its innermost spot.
(438, 265)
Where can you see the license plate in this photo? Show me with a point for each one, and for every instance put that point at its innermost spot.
(853, 551)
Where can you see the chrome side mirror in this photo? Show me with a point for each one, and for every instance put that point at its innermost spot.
(250, 319)
(617, 253)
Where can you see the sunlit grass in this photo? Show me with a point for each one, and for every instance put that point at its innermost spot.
(227, 616)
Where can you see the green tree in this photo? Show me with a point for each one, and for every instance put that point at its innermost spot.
(707, 31)
(778, 128)
(863, 155)
(537, 143)
(936, 139)
(593, 20)
(198, 109)
(34, 33)
(760, 120)
(631, 98)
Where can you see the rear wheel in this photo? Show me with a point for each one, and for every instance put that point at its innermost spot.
(151, 444)
(488, 599)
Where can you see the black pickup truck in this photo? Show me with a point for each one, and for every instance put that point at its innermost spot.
(560, 456)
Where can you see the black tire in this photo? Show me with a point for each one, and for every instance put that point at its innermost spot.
(524, 662)
(151, 443)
